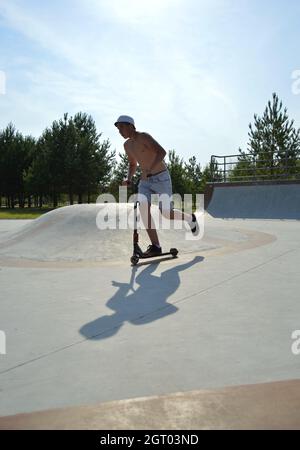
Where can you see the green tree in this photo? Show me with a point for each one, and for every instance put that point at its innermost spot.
(94, 160)
(37, 178)
(178, 174)
(211, 174)
(14, 162)
(274, 144)
(53, 150)
(193, 174)
(29, 144)
(72, 159)
(244, 170)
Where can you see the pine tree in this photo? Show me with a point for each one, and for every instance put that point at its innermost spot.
(14, 162)
(193, 173)
(178, 174)
(95, 161)
(274, 143)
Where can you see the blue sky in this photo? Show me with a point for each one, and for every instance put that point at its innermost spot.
(191, 72)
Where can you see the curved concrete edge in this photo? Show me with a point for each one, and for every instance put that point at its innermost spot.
(261, 406)
(259, 200)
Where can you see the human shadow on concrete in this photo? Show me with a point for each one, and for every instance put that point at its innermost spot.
(142, 300)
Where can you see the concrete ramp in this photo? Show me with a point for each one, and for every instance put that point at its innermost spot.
(72, 235)
(255, 201)
(69, 234)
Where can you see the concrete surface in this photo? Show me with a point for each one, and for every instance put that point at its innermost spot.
(271, 406)
(99, 330)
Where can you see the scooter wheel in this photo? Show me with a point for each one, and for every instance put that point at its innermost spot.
(134, 260)
(174, 252)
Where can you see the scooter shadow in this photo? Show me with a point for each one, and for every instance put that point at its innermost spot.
(143, 300)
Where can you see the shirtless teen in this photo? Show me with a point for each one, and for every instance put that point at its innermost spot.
(142, 149)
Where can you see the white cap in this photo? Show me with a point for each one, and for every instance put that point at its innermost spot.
(126, 119)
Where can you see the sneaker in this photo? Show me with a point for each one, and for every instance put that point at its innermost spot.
(194, 225)
(153, 250)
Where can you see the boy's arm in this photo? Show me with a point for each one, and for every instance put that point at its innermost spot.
(132, 164)
(152, 144)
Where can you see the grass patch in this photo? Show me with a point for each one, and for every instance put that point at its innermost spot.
(22, 213)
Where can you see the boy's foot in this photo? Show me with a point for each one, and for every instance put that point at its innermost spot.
(194, 225)
(153, 250)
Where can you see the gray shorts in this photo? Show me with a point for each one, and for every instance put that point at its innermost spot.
(157, 184)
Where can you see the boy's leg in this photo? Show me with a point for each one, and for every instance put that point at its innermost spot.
(162, 185)
(176, 214)
(145, 209)
(166, 206)
(169, 212)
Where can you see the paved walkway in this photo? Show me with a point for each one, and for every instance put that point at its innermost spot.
(269, 406)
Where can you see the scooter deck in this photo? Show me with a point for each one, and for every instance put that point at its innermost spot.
(156, 256)
(136, 257)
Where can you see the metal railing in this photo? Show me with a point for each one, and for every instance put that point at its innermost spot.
(247, 167)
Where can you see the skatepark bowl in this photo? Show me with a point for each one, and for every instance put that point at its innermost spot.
(208, 340)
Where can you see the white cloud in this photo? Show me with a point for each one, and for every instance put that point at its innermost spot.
(133, 12)
(138, 59)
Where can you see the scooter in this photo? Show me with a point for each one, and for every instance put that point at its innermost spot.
(137, 251)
